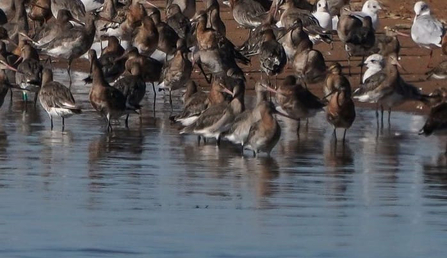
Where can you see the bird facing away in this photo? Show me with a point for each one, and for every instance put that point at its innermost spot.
(133, 88)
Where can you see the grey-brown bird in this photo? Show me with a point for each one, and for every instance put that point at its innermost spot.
(177, 72)
(388, 89)
(217, 119)
(167, 37)
(108, 101)
(133, 88)
(178, 21)
(240, 129)
(272, 55)
(310, 66)
(188, 7)
(295, 40)
(76, 7)
(51, 30)
(56, 99)
(247, 13)
(73, 43)
(296, 101)
(199, 101)
(214, 20)
(151, 68)
(29, 72)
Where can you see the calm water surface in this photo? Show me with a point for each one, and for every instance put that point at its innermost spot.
(149, 192)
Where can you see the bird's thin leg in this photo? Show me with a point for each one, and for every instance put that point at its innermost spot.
(429, 59)
(141, 115)
(298, 128)
(349, 63)
(381, 118)
(334, 134)
(10, 96)
(361, 68)
(153, 89)
(198, 139)
(109, 125)
(170, 99)
(203, 72)
(51, 123)
(63, 124)
(276, 81)
(35, 99)
(389, 117)
(344, 135)
(127, 121)
(69, 71)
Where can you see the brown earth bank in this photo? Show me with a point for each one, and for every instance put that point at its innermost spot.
(396, 13)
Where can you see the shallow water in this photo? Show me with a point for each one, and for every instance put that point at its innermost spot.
(149, 192)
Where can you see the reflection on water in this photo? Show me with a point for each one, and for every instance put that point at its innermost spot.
(149, 192)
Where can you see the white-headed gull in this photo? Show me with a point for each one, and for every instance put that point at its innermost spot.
(426, 31)
(374, 64)
(370, 8)
(322, 15)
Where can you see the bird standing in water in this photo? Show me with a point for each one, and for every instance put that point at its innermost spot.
(56, 99)
(108, 101)
(341, 110)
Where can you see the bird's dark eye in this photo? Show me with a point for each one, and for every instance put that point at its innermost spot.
(374, 7)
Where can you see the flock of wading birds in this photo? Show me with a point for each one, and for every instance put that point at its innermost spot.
(165, 52)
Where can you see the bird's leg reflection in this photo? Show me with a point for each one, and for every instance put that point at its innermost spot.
(389, 117)
(334, 134)
(344, 136)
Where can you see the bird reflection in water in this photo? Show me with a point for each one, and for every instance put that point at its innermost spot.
(435, 177)
(264, 171)
(27, 119)
(116, 145)
(339, 163)
(54, 153)
(116, 154)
